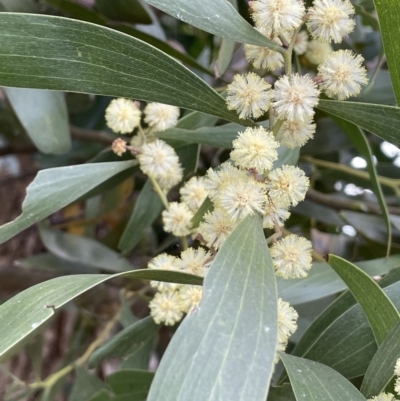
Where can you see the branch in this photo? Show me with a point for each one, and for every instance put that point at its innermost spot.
(345, 204)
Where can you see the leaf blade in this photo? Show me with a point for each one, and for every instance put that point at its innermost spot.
(313, 381)
(381, 369)
(382, 315)
(147, 208)
(389, 27)
(218, 17)
(24, 314)
(52, 189)
(125, 342)
(382, 121)
(230, 310)
(44, 116)
(105, 62)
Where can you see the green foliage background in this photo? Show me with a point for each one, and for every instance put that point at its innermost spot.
(348, 340)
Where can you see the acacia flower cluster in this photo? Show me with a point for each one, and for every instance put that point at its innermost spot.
(247, 184)
(252, 181)
(172, 300)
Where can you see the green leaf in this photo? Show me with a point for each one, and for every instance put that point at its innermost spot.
(44, 116)
(226, 50)
(131, 11)
(140, 358)
(213, 355)
(382, 315)
(341, 337)
(189, 157)
(382, 121)
(83, 250)
(318, 212)
(126, 342)
(206, 206)
(218, 17)
(225, 54)
(82, 13)
(102, 395)
(221, 136)
(196, 120)
(359, 140)
(55, 188)
(24, 315)
(389, 26)
(286, 156)
(281, 393)
(147, 208)
(132, 381)
(313, 381)
(85, 385)
(48, 261)
(323, 281)
(70, 55)
(381, 369)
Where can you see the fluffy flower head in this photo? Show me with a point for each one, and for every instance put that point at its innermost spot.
(177, 219)
(193, 193)
(166, 307)
(190, 297)
(397, 386)
(161, 116)
(287, 318)
(295, 98)
(294, 134)
(397, 368)
(275, 17)
(263, 57)
(194, 261)
(215, 179)
(330, 19)
(274, 216)
(317, 51)
(287, 186)
(249, 95)
(241, 197)
(164, 262)
(342, 74)
(122, 115)
(255, 148)
(383, 397)
(216, 227)
(292, 257)
(160, 160)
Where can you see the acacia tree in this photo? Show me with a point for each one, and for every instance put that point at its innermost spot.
(231, 238)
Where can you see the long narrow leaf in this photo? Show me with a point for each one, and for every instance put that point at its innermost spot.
(381, 369)
(313, 381)
(70, 55)
(55, 188)
(389, 20)
(383, 121)
(382, 315)
(214, 343)
(218, 17)
(23, 315)
(44, 116)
